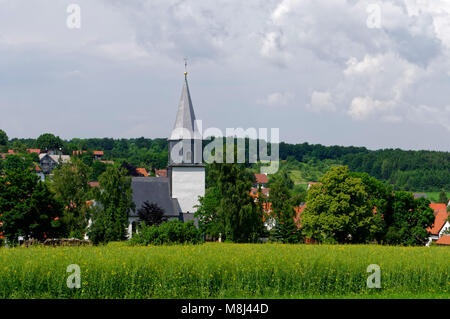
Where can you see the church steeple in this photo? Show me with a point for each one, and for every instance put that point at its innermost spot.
(185, 120)
(185, 141)
(186, 171)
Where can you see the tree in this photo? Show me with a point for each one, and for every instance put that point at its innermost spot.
(443, 197)
(339, 209)
(70, 182)
(98, 168)
(28, 207)
(209, 222)
(3, 140)
(49, 141)
(130, 169)
(151, 214)
(115, 203)
(18, 147)
(282, 210)
(408, 220)
(18, 162)
(237, 209)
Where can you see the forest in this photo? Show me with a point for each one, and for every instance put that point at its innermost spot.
(415, 171)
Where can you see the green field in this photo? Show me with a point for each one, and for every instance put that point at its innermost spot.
(215, 270)
(433, 196)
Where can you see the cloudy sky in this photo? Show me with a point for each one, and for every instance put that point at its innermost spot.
(345, 72)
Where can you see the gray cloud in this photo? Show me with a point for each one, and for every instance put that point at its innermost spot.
(339, 82)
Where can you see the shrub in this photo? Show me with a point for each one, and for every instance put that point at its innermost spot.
(170, 232)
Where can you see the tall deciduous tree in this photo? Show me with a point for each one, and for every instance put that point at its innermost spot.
(408, 220)
(339, 209)
(115, 203)
(237, 208)
(70, 182)
(28, 207)
(49, 141)
(209, 221)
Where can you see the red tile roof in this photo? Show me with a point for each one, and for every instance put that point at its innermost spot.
(298, 213)
(94, 184)
(441, 215)
(161, 172)
(98, 153)
(11, 152)
(142, 171)
(261, 178)
(444, 240)
(34, 150)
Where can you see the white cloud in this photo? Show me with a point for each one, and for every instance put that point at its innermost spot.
(363, 107)
(321, 102)
(277, 99)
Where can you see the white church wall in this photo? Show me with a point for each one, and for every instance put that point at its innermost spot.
(188, 183)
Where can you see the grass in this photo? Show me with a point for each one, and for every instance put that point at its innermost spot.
(433, 196)
(215, 270)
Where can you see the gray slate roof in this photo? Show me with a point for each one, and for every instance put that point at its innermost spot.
(185, 121)
(156, 190)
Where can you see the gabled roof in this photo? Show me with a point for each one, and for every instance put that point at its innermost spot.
(56, 158)
(441, 215)
(185, 127)
(34, 150)
(444, 240)
(156, 190)
(142, 171)
(261, 178)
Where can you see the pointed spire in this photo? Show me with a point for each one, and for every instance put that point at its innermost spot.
(184, 127)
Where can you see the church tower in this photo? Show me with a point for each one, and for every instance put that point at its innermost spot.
(186, 170)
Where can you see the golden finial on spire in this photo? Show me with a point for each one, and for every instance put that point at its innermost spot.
(185, 68)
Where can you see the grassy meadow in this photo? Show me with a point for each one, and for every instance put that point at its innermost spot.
(216, 270)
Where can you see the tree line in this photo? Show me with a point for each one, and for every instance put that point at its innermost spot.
(405, 170)
(62, 206)
(345, 207)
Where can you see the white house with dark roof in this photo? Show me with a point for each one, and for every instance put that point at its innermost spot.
(178, 193)
(48, 161)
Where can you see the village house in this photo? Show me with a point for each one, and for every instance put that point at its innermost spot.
(48, 162)
(441, 224)
(261, 180)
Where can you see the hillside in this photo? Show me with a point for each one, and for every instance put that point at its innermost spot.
(416, 171)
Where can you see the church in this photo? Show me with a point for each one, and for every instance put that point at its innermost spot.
(178, 193)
